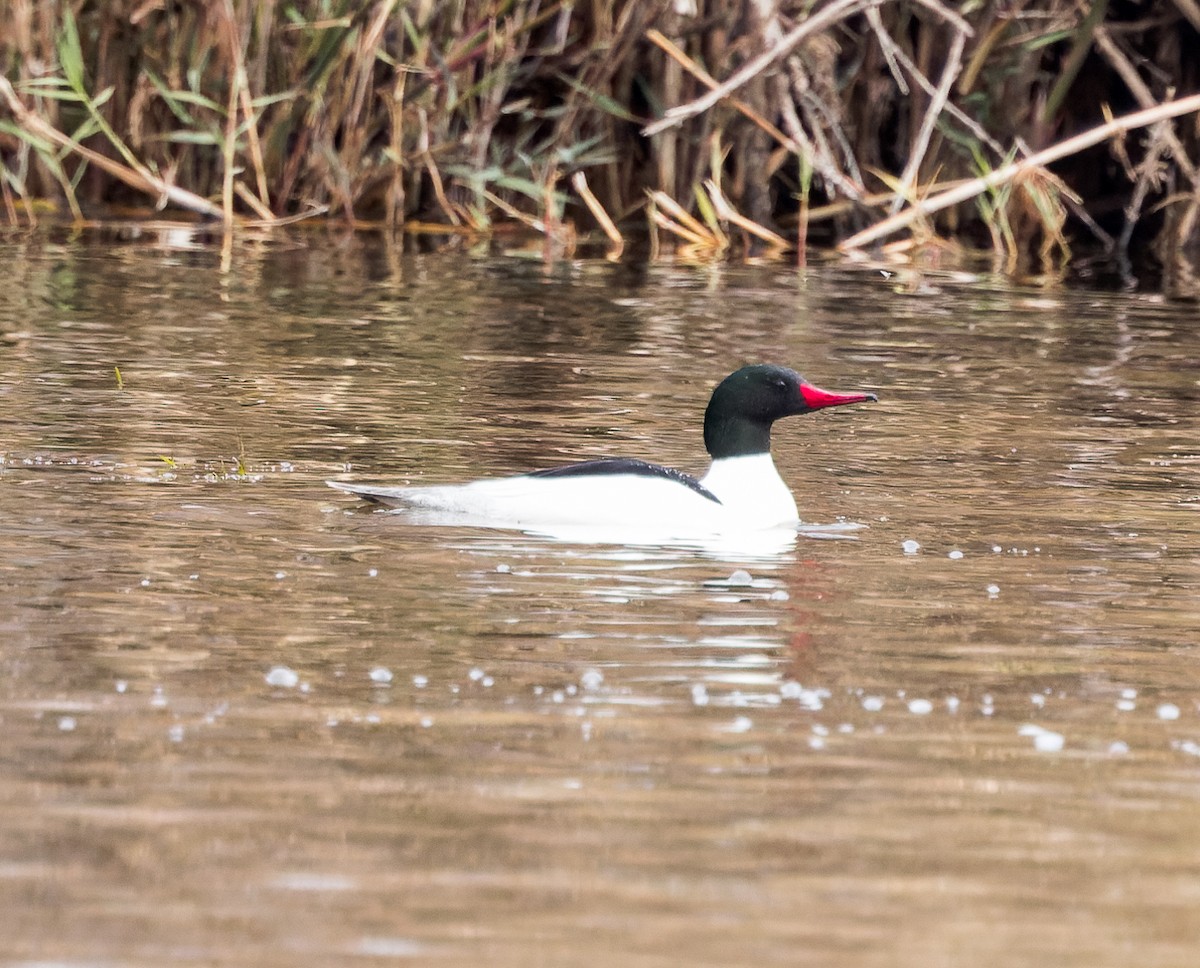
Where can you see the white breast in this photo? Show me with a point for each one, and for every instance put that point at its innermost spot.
(751, 489)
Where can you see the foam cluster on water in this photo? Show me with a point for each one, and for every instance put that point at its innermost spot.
(741, 694)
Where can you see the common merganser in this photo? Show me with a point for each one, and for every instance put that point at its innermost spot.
(741, 491)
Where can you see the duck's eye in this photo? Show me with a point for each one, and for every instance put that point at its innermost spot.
(780, 382)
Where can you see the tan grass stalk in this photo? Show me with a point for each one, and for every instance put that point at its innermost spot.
(828, 16)
(1081, 45)
(936, 104)
(822, 213)
(662, 221)
(265, 214)
(667, 46)
(244, 102)
(727, 212)
(10, 209)
(696, 229)
(888, 47)
(1004, 175)
(555, 234)
(969, 123)
(1191, 10)
(229, 144)
(139, 178)
(818, 154)
(273, 220)
(252, 142)
(396, 192)
(837, 11)
(537, 224)
(607, 225)
(1141, 93)
(684, 225)
(435, 176)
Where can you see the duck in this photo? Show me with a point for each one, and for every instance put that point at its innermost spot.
(741, 490)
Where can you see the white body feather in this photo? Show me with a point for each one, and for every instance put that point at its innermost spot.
(750, 492)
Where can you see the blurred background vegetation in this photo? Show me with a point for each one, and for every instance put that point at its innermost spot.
(476, 114)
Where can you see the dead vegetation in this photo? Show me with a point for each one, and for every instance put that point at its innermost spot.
(760, 127)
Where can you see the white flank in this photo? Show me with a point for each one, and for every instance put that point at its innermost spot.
(752, 497)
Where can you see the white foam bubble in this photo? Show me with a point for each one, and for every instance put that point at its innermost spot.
(1048, 742)
(1044, 740)
(387, 947)
(742, 724)
(283, 676)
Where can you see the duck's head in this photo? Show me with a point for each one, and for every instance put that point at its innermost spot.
(745, 404)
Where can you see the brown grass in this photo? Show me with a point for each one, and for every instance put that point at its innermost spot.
(742, 128)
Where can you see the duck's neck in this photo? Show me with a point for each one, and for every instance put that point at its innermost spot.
(751, 488)
(726, 436)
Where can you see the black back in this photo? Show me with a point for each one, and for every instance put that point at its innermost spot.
(626, 465)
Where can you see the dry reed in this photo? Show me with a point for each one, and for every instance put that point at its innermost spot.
(731, 128)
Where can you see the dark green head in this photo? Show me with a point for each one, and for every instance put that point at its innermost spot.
(745, 404)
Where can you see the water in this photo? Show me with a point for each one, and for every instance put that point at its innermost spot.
(248, 722)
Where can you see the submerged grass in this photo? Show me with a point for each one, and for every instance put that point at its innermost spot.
(745, 128)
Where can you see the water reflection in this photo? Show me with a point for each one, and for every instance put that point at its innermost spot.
(737, 545)
(247, 722)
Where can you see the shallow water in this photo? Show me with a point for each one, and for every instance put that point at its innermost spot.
(249, 722)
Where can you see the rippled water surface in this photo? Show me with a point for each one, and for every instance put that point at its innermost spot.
(248, 721)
